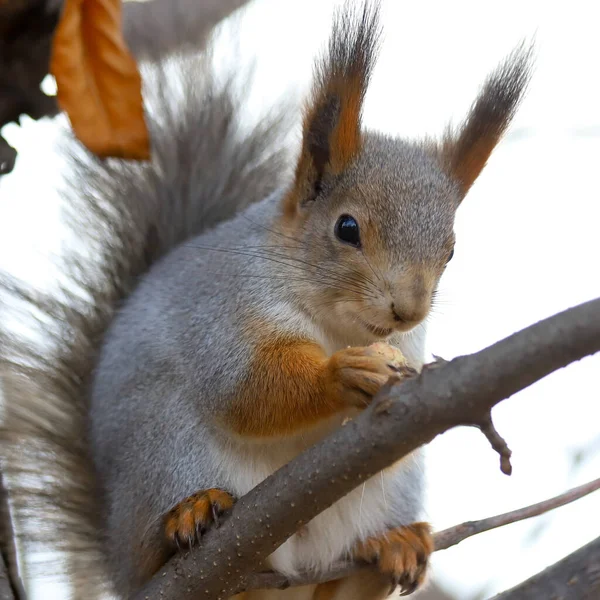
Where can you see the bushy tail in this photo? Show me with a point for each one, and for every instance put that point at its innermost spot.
(205, 168)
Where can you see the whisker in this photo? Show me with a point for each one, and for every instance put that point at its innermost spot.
(380, 276)
(383, 491)
(372, 269)
(362, 495)
(287, 261)
(290, 278)
(331, 272)
(301, 245)
(283, 235)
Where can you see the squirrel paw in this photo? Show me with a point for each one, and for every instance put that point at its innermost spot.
(354, 375)
(186, 521)
(401, 553)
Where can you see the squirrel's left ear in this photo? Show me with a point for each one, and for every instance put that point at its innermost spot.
(465, 151)
(331, 136)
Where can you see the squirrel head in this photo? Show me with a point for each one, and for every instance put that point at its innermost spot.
(373, 215)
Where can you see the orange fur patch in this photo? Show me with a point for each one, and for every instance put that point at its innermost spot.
(465, 158)
(285, 391)
(346, 139)
(467, 170)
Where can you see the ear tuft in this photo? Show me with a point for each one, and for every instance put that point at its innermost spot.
(465, 152)
(332, 118)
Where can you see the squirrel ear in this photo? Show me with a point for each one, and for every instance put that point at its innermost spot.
(465, 152)
(331, 136)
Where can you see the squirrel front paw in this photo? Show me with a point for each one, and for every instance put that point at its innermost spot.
(354, 375)
(402, 553)
(186, 522)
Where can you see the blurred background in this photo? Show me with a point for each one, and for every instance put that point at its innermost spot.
(528, 242)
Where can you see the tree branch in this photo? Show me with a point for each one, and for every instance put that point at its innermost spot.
(402, 418)
(576, 577)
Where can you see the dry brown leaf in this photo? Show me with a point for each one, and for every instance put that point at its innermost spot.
(98, 82)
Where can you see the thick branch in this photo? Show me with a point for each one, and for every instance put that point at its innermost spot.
(576, 577)
(402, 418)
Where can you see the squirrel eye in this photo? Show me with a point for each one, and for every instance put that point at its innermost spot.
(450, 256)
(347, 231)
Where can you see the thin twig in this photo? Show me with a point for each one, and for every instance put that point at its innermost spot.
(498, 444)
(454, 535)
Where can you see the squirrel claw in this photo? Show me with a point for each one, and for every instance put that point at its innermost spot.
(215, 515)
(402, 553)
(407, 587)
(187, 521)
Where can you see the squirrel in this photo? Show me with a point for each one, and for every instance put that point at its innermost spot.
(222, 316)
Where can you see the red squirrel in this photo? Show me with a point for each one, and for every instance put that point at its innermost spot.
(228, 319)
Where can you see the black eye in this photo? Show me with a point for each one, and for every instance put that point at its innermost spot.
(347, 231)
(450, 256)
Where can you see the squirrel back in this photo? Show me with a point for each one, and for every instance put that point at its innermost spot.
(205, 168)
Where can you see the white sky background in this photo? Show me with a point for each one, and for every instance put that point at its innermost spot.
(528, 242)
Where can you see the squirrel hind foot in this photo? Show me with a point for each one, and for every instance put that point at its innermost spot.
(185, 523)
(402, 553)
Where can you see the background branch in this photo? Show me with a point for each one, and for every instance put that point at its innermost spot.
(576, 577)
(402, 418)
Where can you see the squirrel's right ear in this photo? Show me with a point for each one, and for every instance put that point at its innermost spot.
(464, 152)
(331, 136)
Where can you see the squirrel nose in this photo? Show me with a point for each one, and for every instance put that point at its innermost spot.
(402, 315)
